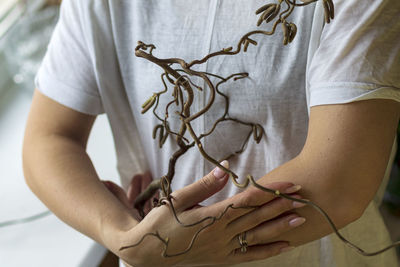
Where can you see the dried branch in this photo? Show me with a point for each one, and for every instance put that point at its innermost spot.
(178, 79)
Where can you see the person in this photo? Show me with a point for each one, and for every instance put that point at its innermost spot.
(328, 102)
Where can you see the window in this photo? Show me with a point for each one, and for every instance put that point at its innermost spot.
(10, 11)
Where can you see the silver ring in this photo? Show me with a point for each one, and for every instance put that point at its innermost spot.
(243, 242)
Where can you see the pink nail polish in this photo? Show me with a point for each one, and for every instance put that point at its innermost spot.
(293, 189)
(297, 221)
(219, 173)
(298, 204)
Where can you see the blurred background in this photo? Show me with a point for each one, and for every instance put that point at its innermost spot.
(29, 234)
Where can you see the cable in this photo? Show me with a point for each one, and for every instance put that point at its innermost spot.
(26, 219)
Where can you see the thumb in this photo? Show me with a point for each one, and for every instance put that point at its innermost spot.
(202, 189)
(134, 188)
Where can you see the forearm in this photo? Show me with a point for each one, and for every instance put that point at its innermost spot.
(342, 163)
(60, 173)
(333, 198)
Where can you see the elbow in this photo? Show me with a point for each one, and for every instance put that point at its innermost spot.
(26, 164)
(31, 159)
(349, 215)
(344, 204)
(351, 209)
(356, 201)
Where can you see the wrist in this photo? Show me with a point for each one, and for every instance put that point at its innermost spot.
(114, 226)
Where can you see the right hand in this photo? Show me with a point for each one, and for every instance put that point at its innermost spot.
(138, 184)
(218, 243)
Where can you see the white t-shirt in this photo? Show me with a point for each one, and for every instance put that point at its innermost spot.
(90, 67)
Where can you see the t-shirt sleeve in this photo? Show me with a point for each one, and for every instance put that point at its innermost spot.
(67, 74)
(358, 57)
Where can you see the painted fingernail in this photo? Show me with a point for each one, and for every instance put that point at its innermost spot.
(219, 173)
(286, 249)
(293, 189)
(297, 204)
(297, 221)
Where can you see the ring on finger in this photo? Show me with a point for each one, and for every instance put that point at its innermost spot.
(243, 242)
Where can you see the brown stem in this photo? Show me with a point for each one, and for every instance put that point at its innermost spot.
(267, 13)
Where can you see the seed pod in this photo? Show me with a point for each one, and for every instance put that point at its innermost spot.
(260, 20)
(263, 8)
(163, 139)
(258, 132)
(149, 103)
(155, 130)
(331, 9)
(328, 10)
(286, 32)
(265, 15)
(293, 31)
(228, 49)
(274, 14)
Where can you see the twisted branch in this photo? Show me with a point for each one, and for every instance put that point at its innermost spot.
(180, 79)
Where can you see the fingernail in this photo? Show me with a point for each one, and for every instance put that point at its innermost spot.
(298, 204)
(219, 173)
(297, 221)
(293, 189)
(286, 249)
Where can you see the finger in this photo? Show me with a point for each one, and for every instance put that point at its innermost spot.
(118, 192)
(134, 188)
(146, 180)
(265, 232)
(262, 214)
(258, 252)
(202, 189)
(245, 202)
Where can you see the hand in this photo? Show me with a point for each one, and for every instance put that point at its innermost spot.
(138, 184)
(217, 242)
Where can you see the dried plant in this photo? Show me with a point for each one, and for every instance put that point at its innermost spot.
(177, 79)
